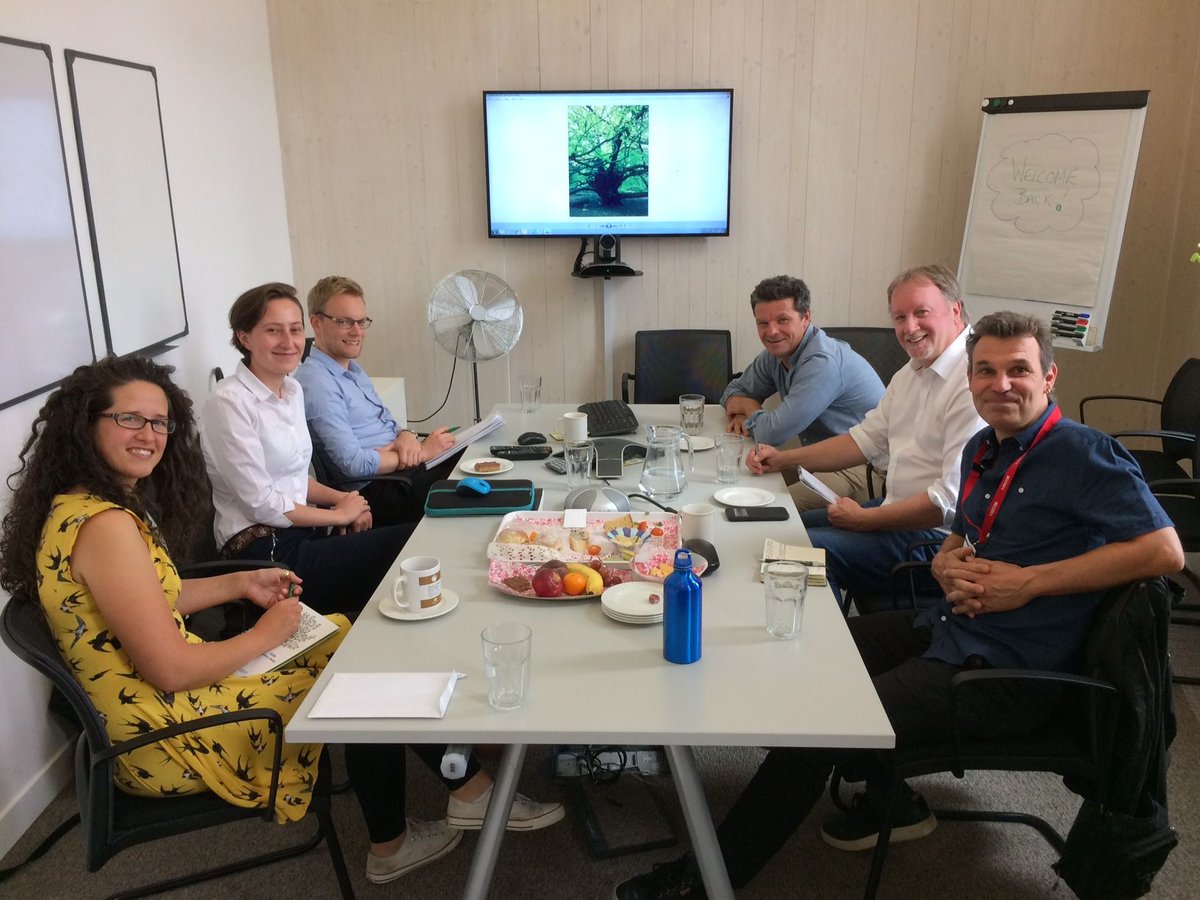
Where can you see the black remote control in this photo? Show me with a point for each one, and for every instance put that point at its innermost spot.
(521, 452)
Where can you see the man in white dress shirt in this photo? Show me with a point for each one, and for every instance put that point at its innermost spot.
(917, 433)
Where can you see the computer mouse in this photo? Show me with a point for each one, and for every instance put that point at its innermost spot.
(707, 550)
(472, 487)
(531, 437)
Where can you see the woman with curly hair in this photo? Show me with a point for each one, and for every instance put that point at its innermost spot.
(110, 464)
(109, 481)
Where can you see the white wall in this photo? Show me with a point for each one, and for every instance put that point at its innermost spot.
(222, 142)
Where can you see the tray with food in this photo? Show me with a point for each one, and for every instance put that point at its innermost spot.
(538, 537)
(555, 579)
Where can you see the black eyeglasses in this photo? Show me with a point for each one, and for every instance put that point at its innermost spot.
(346, 324)
(135, 422)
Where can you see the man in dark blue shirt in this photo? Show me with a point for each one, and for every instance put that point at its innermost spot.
(1050, 514)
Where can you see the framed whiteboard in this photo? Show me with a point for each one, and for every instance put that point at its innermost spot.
(118, 126)
(1048, 208)
(47, 331)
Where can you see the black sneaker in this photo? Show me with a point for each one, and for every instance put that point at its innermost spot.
(678, 880)
(859, 828)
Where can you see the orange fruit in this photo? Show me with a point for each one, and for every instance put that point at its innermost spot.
(574, 583)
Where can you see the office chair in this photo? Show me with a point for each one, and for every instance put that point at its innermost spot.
(113, 820)
(1078, 742)
(681, 361)
(878, 346)
(1179, 422)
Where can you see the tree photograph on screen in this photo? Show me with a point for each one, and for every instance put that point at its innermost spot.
(608, 154)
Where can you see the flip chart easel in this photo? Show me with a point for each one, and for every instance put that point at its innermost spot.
(1051, 193)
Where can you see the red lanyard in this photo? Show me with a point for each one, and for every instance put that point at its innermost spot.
(1006, 482)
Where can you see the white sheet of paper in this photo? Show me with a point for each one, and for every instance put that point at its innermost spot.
(812, 482)
(386, 695)
(575, 518)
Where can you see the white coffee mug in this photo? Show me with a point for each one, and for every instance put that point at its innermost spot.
(419, 587)
(698, 521)
(573, 426)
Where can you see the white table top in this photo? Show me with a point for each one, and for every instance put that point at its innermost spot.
(595, 680)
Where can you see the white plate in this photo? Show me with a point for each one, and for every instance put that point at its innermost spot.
(388, 607)
(631, 620)
(744, 496)
(630, 602)
(700, 442)
(468, 466)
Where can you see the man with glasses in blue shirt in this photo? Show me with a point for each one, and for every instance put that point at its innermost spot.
(353, 431)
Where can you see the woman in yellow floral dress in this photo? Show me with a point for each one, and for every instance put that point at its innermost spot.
(111, 479)
(115, 602)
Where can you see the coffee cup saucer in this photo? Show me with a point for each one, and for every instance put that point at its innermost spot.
(387, 606)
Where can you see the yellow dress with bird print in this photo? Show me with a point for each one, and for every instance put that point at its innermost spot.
(232, 760)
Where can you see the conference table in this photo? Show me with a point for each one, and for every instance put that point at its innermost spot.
(598, 681)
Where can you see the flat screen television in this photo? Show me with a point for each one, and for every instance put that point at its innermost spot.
(625, 163)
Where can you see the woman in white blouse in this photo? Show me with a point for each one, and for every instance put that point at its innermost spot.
(257, 450)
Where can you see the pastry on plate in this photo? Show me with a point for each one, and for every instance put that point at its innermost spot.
(512, 536)
(484, 468)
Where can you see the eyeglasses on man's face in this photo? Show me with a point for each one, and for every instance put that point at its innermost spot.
(136, 422)
(346, 324)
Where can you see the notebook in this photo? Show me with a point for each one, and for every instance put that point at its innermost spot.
(813, 557)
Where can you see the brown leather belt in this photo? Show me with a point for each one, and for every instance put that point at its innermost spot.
(244, 538)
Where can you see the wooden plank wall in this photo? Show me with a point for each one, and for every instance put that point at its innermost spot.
(856, 129)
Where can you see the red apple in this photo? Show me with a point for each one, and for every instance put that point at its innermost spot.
(548, 581)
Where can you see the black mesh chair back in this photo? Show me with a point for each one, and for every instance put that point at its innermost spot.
(679, 361)
(113, 820)
(878, 346)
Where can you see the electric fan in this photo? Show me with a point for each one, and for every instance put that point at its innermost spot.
(476, 316)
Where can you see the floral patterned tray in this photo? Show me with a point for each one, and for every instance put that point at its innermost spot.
(547, 539)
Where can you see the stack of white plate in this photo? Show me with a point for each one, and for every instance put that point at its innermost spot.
(630, 603)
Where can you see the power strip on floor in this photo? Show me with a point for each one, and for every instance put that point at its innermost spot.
(580, 761)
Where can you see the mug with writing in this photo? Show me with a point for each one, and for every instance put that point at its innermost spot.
(419, 587)
(573, 426)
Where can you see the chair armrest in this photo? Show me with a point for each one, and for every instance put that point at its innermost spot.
(626, 377)
(274, 726)
(1170, 435)
(398, 477)
(1114, 397)
(1092, 687)
(1184, 483)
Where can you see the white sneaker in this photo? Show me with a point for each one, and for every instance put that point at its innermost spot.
(423, 843)
(525, 815)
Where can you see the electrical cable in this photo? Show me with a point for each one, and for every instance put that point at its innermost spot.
(453, 367)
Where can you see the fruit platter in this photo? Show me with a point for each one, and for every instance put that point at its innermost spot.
(533, 555)
(555, 579)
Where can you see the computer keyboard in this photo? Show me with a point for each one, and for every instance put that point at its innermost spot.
(609, 417)
(521, 452)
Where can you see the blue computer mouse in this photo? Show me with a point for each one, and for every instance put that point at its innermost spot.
(468, 487)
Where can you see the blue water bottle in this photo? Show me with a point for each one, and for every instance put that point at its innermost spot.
(681, 613)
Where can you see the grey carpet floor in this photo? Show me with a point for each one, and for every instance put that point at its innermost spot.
(957, 860)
